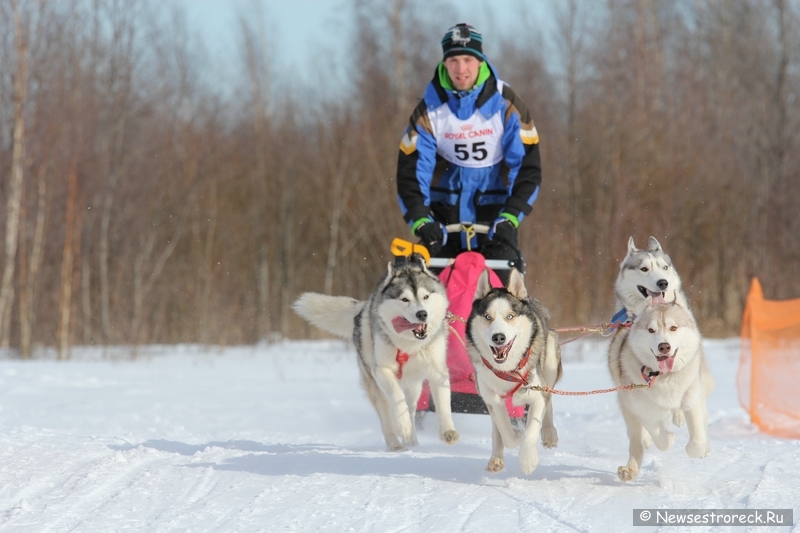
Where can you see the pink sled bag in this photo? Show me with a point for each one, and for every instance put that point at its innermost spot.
(461, 281)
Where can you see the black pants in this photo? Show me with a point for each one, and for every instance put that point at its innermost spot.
(489, 250)
(461, 402)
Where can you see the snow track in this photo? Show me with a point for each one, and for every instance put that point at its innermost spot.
(281, 438)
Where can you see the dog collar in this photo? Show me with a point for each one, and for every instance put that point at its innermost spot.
(649, 377)
(621, 317)
(515, 376)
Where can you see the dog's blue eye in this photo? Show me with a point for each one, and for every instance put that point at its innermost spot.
(487, 316)
(666, 267)
(510, 317)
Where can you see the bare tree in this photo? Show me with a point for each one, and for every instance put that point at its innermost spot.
(256, 53)
(67, 271)
(118, 90)
(190, 216)
(15, 190)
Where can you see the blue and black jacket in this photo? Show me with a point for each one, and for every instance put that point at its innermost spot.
(430, 186)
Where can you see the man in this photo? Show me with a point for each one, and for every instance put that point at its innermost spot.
(469, 154)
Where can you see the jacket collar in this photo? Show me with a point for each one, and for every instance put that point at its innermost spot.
(480, 98)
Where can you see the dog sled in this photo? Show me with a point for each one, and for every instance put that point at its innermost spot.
(460, 277)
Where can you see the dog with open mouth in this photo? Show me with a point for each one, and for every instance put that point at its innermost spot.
(662, 349)
(512, 349)
(400, 333)
(646, 273)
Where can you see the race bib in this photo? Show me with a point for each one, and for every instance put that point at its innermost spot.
(473, 143)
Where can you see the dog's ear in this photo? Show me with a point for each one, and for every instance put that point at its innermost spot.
(631, 247)
(388, 278)
(516, 285)
(653, 245)
(417, 259)
(484, 285)
(676, 301)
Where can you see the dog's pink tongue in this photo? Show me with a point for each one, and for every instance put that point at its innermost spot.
(657, 298)
(665, 364)
(401, 324)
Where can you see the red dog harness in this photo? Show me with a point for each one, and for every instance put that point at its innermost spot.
(402, 358)
(515, 376)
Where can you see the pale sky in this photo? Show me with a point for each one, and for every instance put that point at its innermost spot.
(299, 28)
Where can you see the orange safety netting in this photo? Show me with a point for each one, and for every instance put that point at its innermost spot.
(769, 367)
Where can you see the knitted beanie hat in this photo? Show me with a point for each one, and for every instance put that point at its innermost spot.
(463, 39)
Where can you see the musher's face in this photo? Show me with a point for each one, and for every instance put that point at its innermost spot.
(463, 71)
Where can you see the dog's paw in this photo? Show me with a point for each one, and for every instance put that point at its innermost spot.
(450, 436)
(528, 459)
(549, 437)
(626, 473)
(496, 464)
(678, 418)
(395, 447)
(697, 449)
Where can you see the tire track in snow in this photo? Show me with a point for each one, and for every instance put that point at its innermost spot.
(197, 492)
(471, 512)
(766, 491)
(81, 507)
(37, 487)
(540, 510)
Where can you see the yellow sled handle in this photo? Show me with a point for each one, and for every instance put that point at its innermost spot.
(403, 248)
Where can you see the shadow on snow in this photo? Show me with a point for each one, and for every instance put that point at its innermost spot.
(310, 459)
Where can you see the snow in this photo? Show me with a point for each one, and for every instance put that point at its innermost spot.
(281, 437)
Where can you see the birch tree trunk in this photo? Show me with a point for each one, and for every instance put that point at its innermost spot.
(255, 54)
(142, 284)
(336, 216)
(28, 295)
(65, 300)
(207, 267)
(15, 187)
(399, 44)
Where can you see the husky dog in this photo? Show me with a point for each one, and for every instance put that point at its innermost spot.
(663, 345)
(643, 274)
(646, 273)
(401, 338)
(511, 348)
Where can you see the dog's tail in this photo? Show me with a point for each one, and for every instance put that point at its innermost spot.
(334, 314)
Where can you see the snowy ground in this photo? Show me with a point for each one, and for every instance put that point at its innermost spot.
(281, 438)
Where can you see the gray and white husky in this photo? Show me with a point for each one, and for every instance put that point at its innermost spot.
(511, 347)
(401, 338)
(646, 273)
(664, 345)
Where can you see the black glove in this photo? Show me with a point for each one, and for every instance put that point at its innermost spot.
(431, 235)
(503, 230)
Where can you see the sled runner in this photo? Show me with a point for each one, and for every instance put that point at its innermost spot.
(460, 277)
